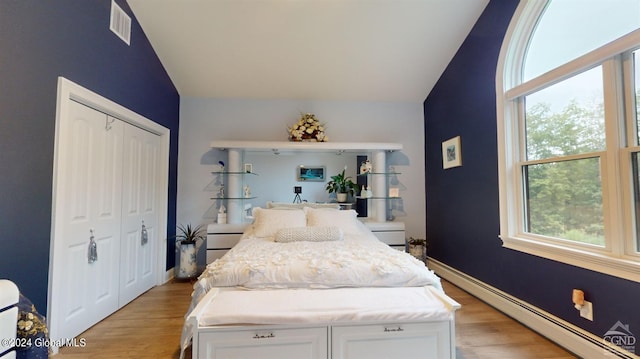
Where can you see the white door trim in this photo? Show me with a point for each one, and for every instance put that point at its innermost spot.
(70, 91)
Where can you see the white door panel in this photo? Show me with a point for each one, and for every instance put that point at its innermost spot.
(130, 246)
(147, 256)
(139, 192)
(88, 204)
(76, 257)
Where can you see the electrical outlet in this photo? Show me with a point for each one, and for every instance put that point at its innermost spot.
(587, 311)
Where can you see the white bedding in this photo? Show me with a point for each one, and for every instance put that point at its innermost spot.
(339, 305)
(355, 278)
(360, 260)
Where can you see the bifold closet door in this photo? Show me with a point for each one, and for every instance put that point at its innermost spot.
(88, 199)
(139, 212)
(106, 225)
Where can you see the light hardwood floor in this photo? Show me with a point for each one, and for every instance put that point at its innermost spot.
(150, 327)
(484, 332)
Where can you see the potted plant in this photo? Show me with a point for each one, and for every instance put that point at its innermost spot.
(417, 248)
(187, 243)
(342, 185)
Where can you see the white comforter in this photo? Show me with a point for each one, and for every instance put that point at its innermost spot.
(357, 261)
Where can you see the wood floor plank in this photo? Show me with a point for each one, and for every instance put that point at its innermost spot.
(151, 325)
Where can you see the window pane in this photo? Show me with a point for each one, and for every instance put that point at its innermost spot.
(571, 28)
(566, 118)
(636, 194)
(564, 200)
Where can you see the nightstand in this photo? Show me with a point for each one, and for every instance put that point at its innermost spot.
(221, 238)
(391, 233)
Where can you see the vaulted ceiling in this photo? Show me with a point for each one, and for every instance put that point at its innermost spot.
(352, 50)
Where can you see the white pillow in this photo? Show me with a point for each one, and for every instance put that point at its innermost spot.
(267, 222)
(346, 220)
(310, 234)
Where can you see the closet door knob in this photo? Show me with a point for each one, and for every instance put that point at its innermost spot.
(144, 236)
(92, 253)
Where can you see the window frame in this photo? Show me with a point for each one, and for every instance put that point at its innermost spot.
(619, 256)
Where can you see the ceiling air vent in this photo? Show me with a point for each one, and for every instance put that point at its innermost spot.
(120, 23)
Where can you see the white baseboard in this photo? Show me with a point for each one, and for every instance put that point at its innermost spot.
(169, 275)
(563, 333)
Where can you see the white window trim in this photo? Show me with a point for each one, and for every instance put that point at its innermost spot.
(613, 259)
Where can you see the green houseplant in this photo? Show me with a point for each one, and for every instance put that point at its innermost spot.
(342, 185)
(189, 235)
(187, 243)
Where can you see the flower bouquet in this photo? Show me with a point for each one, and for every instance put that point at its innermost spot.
(308, 128)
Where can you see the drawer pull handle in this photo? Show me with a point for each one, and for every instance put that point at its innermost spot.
(270, 335)
(398, 329)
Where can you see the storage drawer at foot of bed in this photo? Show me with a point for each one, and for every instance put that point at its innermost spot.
(296, 343)
(406, 341)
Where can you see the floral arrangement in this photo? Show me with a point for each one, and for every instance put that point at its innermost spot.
(308, 128)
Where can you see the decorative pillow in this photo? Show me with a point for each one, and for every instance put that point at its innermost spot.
(302, 205)
(311, 234)
(346, 220)
(267, 222)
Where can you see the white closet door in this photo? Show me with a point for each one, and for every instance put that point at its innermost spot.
(140, 186)
(88, 202)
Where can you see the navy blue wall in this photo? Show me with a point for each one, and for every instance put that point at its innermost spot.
(39, 41)
(462, 203)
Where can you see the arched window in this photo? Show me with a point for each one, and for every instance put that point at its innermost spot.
(568, 133)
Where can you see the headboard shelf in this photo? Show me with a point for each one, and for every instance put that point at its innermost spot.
(291, 146)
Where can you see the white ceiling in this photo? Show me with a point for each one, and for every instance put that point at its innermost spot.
(353, 50)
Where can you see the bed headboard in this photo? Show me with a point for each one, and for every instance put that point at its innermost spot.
(9, 296)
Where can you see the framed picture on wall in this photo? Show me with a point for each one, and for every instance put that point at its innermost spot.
(451, 154)
(310, 173)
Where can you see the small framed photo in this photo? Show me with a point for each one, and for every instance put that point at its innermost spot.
(451, 153)
(310, 173)
(248, 168)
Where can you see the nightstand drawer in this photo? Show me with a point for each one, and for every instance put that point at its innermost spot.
(391, 233)
(222, 241)
(392, 238)
(213, 254)
(221, 238)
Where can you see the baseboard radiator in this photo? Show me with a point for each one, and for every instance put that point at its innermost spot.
(563, 333)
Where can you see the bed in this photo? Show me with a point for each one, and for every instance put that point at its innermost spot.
(317, 283)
